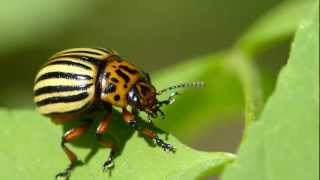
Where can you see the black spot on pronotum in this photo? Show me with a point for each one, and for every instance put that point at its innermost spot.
(110, 88)
(115, 80)
(108, 74)
(123, 75)
(129, 70)
(116, 97)
(125, 86)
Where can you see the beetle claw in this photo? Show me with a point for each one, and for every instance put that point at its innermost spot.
(165, 146)
(108, 165)
(63, 175)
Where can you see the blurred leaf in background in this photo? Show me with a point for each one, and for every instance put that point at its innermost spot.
(151, 34)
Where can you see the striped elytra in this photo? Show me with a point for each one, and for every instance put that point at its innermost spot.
(70, 81)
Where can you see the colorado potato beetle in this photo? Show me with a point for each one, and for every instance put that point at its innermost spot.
(81, 81)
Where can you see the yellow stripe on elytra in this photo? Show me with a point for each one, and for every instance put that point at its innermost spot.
(62, 82)
(64, 68)
(98, 57)
(82, 49)
(38, 98)
(73, 59)
(64, 107)
(69, 52)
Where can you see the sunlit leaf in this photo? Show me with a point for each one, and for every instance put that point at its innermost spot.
(284, 143)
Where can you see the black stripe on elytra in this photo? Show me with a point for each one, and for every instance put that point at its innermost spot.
(103, 50)
(61, 88)
(85, 58)
(123, 75)
(129, 70)
(63, 75)
(88, 52)
(63, 99)
(69, 63)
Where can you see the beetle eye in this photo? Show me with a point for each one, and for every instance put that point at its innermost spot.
(133, 97)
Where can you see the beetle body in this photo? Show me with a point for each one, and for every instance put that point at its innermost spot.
(77, 82)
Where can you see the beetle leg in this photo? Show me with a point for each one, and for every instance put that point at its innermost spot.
(70, 135)
(128, 117)
(101, 130)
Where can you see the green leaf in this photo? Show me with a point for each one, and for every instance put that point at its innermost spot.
(249, 77)
(284, 143)
(278, 24)
(30, 150)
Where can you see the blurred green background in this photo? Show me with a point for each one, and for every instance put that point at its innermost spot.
(151, 34)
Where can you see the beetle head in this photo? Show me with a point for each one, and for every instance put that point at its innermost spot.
(143, 96)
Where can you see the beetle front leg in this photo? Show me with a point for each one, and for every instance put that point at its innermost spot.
(128, 117)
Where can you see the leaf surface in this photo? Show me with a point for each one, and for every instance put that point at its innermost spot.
(284, 143)
(30, 150)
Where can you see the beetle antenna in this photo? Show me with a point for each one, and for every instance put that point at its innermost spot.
(170, 100)
(197, 84)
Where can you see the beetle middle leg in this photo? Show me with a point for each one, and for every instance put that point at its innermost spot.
(101, 130)
(128, 117)
(71, 135)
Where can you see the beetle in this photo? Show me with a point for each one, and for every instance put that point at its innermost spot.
(79, 82)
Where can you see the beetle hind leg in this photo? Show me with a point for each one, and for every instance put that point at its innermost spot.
(68, 137)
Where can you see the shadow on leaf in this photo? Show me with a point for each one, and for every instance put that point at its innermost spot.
(118, 132)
